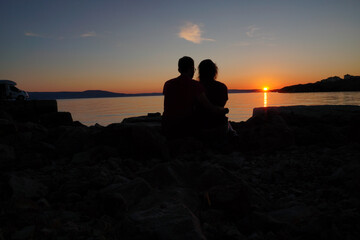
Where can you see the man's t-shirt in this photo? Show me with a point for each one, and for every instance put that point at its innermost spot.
(180, 99)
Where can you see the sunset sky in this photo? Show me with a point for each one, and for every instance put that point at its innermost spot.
(133, 46)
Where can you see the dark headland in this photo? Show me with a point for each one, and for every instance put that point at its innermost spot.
(292, 174)
(331, 84)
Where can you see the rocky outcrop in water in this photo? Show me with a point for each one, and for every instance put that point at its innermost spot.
(292, 174)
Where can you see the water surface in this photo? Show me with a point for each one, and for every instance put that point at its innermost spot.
(111, 110)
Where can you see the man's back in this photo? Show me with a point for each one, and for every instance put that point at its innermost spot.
(180, 98)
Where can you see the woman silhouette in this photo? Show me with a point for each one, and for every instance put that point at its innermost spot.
(215, 91)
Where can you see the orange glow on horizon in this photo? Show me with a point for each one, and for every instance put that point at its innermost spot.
(154, 84)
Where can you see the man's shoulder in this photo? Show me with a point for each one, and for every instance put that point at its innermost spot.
(171, 80)
(170, 83)
(181, 80)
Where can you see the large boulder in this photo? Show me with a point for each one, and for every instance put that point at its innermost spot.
(334, 114)
(146, 140)
(7, 127)
(70, 139)
(168, 220)
(273, 128)
(131, 192)
(56, 119)
(7, 153)
(265, 133)
(24, 187)
(151, 119)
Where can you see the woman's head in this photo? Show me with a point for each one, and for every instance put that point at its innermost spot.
(207, 70)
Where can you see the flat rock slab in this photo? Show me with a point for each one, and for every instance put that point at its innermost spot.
(323, 112)
(31, 106)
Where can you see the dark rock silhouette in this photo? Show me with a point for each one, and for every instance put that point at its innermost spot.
(331, 84)
(292, 174)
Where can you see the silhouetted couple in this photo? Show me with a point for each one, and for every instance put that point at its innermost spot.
(193, 107)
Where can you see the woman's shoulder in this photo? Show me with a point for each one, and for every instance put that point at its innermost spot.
(220, 84)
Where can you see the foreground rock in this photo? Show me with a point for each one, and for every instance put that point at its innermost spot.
(292, 174)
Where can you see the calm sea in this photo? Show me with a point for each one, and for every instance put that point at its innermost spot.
(105, 111)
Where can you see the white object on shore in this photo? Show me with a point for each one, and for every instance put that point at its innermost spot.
(8, 91)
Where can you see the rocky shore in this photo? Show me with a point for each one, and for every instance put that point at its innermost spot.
(293, 173)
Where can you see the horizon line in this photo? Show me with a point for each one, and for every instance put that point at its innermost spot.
(97, 90)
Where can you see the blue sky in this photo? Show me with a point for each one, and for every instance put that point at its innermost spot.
(133, 46)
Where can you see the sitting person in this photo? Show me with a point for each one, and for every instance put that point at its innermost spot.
(217, 93)
(181, 96)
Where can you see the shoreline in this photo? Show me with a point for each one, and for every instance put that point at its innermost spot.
(293, 174)
(106, 94)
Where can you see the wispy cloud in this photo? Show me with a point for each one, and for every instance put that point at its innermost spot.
(242, 44)
(256, 37)
(31, 34)
(88, 34)
(252, 30)
(83, 35)
(192, 32)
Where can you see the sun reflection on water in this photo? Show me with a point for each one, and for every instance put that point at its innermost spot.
(265, 99)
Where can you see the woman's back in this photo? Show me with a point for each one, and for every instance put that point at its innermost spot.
(215, 91)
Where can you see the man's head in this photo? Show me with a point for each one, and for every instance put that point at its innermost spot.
(186, 66)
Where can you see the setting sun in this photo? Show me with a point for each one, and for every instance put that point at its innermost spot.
(265, 89)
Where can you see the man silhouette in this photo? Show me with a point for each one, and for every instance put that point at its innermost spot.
(181, 96)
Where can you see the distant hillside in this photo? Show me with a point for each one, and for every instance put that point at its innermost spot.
(244, 90)
(84, 94)
(103, 94)
(331, 84)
